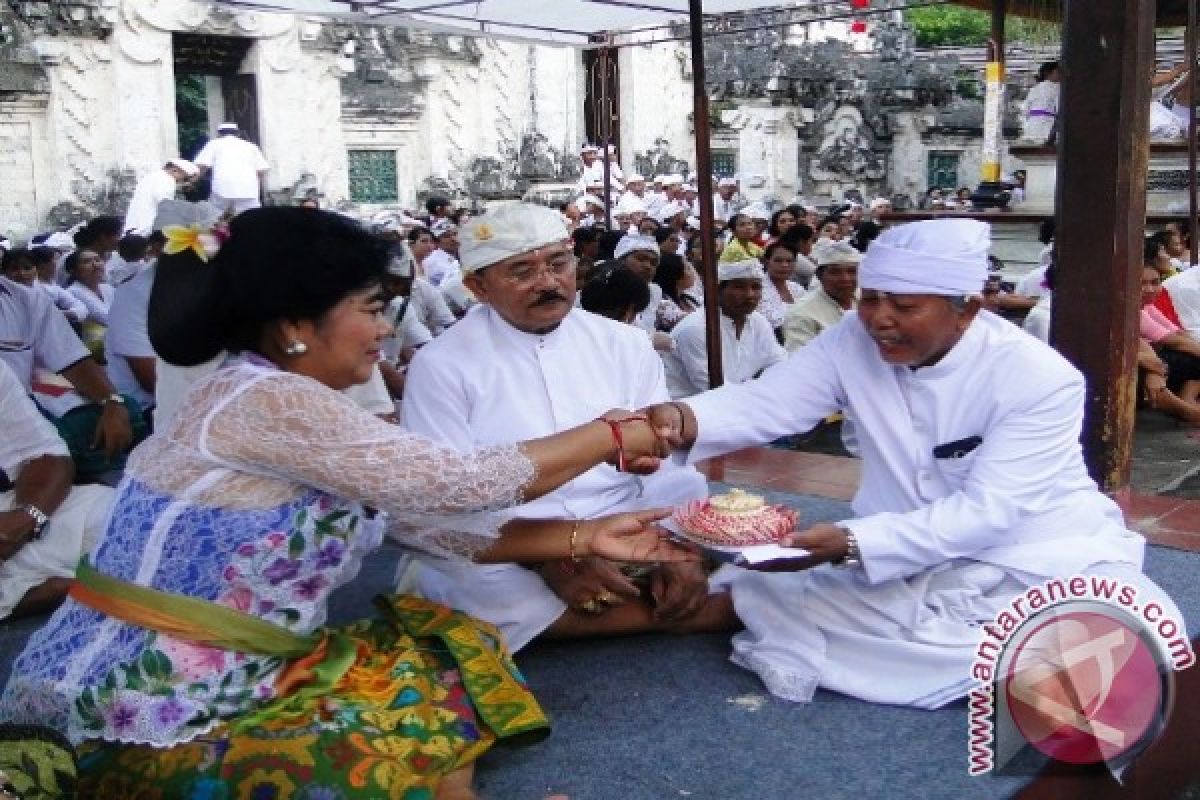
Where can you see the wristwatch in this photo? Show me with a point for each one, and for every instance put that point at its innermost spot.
(40, 520)
(114, 398)
(852, 558)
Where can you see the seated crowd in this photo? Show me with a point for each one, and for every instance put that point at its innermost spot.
(223, 415)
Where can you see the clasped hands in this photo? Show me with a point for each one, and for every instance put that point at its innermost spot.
(650, 435)
(674, 427)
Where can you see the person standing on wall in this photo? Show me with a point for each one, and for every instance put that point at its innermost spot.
(236, 167)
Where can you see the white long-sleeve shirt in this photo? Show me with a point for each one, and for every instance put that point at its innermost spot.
(1021, 499)
(151, 190)
(1184, 291)
(98, 303)
(64, 301)
(439, 265)
(741, 357)
(484, 381)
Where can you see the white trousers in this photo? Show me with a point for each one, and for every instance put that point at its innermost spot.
(235, 204)
(73, 530)
(908, 642)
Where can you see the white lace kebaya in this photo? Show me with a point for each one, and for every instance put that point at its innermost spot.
(258, 496)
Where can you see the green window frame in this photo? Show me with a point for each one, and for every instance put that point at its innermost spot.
(373, 176)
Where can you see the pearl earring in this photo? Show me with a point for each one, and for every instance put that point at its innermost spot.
(296, 348)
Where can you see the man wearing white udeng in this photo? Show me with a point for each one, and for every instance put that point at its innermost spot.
(526, 360)
(973, 489)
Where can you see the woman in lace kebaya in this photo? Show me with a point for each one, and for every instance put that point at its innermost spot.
(191, 660)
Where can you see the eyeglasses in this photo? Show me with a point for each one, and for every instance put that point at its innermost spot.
(528, 274)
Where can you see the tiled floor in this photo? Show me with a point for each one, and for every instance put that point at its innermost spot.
(1168, 521)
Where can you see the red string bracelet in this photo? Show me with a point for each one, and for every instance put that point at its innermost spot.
(618, 439)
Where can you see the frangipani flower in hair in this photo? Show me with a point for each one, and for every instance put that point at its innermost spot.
(204, 242)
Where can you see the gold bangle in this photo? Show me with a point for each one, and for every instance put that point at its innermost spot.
(574, 539)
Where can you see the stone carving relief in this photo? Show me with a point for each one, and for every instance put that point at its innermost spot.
(85, 18)
(845, 151)
(659, 160)
(538, 160)
(198, 16)
(110, 195)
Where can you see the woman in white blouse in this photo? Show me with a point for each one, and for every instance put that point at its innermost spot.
(779, 291)
(85, 270)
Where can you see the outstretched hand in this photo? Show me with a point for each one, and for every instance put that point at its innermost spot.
(633, 536)
(825, 542)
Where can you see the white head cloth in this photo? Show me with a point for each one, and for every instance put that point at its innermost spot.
(674, 179)
(509, 230)
(733, 270)
(635, 241)
(631, 204)
(189, 169)
(60, 241)
(442, 226)
(936, 256)
(669, 210)
(756, 211)
(635, 178)
(828, 251)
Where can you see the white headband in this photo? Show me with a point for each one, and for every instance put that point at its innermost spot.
(946, 257)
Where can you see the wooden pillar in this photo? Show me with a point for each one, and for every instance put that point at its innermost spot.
(704, 186)
(1103, 144)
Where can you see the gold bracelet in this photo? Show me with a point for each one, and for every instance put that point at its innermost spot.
(574, 539)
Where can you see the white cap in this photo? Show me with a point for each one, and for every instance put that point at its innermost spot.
(5, 243)
(689, 187)
(674, 179)
(635, 178)
(658, 179)
(880, 202)
(187, 167)
(591, 200)
(227, 127)
(747, 269)
(442, 226)
(589, 148)
(828, 251)
(694, 223)
(635, 241)
(508, 230)
(946, 257)
(727, 181)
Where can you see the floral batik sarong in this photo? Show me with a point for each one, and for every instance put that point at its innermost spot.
(429, 691)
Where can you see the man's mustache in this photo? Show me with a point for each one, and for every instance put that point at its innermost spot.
(548, 298)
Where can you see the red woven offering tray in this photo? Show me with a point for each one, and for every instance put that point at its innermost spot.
(698, 520)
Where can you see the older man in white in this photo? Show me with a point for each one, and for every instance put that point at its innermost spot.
(748, 343)
(828, 301)
(974, 487)
(525, 363)
(46, 525)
